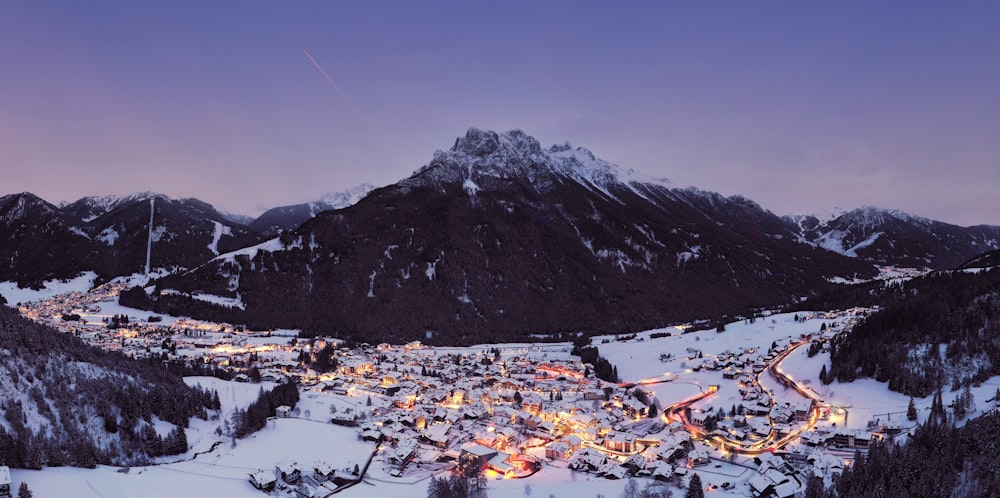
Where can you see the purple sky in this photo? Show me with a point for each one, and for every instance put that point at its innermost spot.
(800, 106)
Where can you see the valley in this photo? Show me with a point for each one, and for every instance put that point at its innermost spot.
(742, 408)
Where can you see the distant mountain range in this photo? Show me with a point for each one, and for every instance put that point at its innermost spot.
(890, 237)
(494, 238)
(111, 234)
(282, 218)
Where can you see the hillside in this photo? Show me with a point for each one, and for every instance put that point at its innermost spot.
(110, 236)
(497, 239)
(38, 242)
(932, 332)
(67, 403)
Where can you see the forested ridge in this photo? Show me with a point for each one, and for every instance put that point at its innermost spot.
(939, 460)
(932, 332)
(68, 403)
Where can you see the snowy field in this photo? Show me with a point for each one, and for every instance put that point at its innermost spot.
(639, 358)
(14, 294)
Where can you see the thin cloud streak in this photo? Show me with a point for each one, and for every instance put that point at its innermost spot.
(335, 86)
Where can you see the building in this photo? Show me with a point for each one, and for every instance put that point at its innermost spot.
(289, 470)
(476, 454)
(802, 409)
(4, 481)
(262, 480)
(634, 408)
(558, 450)
(622, 442)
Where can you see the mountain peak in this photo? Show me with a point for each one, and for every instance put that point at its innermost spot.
(874, 216)
(485, 159)
(483, 143)
(344, 198)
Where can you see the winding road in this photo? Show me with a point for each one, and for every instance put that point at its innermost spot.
(677, 412)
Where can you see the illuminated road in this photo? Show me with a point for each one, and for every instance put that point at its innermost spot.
(677, 412)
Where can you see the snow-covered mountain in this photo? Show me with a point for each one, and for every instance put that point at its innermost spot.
(498, 238)
(38, 242)
(892, 237)
(283, 218)
(110, 235)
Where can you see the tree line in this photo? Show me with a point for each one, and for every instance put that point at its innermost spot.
(254, 417)
(899, 343)
(939, 459)
(70, 384)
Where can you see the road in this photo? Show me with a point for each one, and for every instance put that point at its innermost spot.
(677, 412)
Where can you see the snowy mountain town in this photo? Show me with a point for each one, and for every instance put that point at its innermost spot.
(562, 249)
(741, 406)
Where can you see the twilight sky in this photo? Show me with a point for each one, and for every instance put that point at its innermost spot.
(802, 107)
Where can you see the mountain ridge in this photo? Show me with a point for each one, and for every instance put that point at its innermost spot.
(504, 238)
(895, 237)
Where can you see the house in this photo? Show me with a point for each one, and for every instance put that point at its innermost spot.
(802, 409)
(500, 463)
(698, 457)
(582, 421)
(5, 481)
(404, 452)
(587, 460)
(283, 411)
(324, 470)
(773, 483)
(698, 418)
(476, 453)
(634, 408)
(622, 442)
(612, 470)
(558, 450)
(289, 470)
(438, 435)
(782, 414)
(635, 463)
(845, 438)
(670, 453)
(574, 441)
(662, 471)
(262, 480)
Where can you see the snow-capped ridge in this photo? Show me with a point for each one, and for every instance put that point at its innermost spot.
(515, 154)
(349, 197)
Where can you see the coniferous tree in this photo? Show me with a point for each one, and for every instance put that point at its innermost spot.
(694, 488)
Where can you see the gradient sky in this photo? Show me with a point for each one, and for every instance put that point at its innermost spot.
(801, 106)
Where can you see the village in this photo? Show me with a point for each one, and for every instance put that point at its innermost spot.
(513, 410)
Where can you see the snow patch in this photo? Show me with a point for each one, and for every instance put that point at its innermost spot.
(50, 288)
(852, 252)
(220, 230)
(108, 236)
(470, 187)
(231, 302)
(268, 245)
